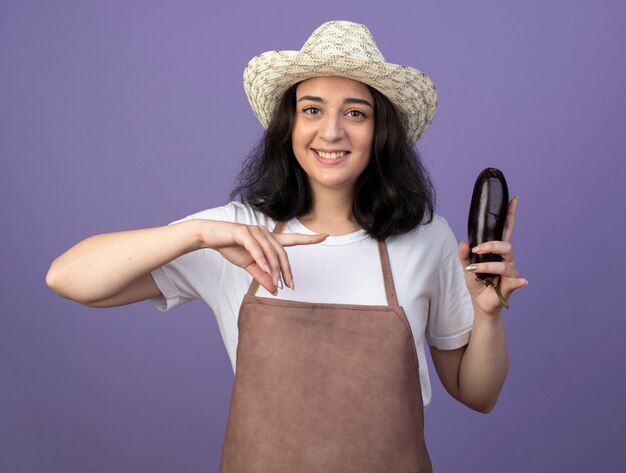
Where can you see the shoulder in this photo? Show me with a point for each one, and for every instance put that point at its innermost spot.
(424, 247)
(437, 231)
(237, 212)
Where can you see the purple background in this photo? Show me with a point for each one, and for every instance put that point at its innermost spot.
(119, 115)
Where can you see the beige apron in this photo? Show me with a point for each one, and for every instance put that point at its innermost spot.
(325, 388)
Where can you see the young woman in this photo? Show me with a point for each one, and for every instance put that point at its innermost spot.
(336, 206)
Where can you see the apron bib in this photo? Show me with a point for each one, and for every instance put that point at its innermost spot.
(325, 388)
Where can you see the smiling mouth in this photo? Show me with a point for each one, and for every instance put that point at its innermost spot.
(330, 156)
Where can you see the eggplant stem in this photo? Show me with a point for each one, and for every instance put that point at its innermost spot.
(499, 293)
(495, 283)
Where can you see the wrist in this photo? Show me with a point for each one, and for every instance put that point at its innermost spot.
(212, 234)
(487, 317)
(197, 234)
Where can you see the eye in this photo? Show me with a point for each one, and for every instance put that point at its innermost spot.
(311, 111)
(356, 114)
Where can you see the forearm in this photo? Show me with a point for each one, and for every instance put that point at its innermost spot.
(103, 265)
(485, 363)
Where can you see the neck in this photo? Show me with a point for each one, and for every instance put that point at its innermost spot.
(331, 212)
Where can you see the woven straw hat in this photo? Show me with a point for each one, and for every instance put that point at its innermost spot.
(346, 49)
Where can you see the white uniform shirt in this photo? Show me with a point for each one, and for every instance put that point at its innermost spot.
(345, 269)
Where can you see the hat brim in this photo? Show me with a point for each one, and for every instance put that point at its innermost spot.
(268, 76)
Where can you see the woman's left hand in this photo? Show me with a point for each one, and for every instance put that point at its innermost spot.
(485, 297)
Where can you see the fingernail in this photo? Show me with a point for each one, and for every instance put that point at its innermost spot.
(471, 267)
(293, 285)
(516, 197)
(280, 285)
(275, 293)
(476, 249)
(267, 269)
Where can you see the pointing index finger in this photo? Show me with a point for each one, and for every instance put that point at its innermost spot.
(292, 239)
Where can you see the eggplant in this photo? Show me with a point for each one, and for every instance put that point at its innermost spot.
(488, 210)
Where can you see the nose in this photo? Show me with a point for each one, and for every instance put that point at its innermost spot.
(331, 128)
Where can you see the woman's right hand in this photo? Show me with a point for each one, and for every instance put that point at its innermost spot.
(114, 269)
(256, 249)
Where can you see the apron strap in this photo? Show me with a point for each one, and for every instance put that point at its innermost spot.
(390, 290)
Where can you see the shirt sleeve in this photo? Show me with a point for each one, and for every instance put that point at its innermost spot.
(451, 313)
(195, 275)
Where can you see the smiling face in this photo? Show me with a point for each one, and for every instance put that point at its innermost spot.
(333, 131)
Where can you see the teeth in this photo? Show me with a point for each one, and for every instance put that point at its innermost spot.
(340, 154)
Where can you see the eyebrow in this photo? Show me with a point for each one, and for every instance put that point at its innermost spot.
(349, 100)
